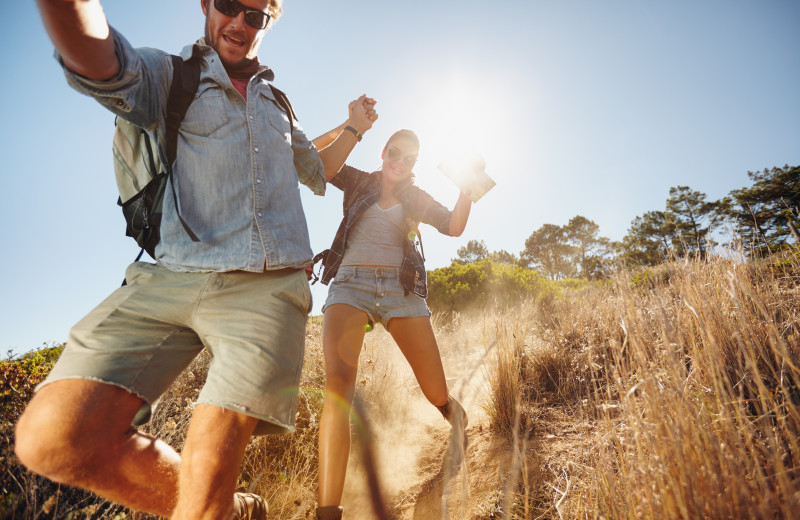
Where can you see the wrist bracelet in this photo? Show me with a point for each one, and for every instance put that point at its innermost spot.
(355, 132)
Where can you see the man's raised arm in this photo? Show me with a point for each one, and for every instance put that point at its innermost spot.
(80, 33)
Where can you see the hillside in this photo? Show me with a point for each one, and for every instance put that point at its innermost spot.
(666, 393)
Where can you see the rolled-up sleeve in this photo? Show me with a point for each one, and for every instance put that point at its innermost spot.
(347, 177)
(137, 92)
(430, 211)
(307, 162)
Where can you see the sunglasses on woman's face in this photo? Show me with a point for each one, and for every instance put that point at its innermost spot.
(395, 154)
(252, 17)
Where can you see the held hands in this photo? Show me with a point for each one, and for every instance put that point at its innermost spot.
(361, 113)
(334, 151)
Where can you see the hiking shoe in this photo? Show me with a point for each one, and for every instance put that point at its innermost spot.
(454, 413)
(457, 444)
(329, 513)
(249, 507)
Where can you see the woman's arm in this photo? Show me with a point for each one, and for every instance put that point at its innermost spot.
(328, 137)
(458, 219)
(361, 116)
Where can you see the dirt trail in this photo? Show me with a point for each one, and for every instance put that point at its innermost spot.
(552, 456)
(461, 494)
(411, 439)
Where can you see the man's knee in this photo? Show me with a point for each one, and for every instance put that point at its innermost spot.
(61, 429)
(40, 444)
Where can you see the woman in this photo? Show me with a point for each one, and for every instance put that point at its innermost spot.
(378, 276)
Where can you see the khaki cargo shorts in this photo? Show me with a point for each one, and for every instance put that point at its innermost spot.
(148, 331)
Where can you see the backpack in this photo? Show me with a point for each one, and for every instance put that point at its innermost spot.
(141, 175)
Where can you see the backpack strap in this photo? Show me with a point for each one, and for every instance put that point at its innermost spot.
(185, 80)
(283, 101)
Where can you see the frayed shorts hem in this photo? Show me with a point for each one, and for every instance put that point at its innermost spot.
(376, 291)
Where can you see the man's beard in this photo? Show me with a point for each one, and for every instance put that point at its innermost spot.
(241, 64)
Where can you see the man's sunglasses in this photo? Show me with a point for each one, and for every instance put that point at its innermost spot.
(395, 154)
(252, 17)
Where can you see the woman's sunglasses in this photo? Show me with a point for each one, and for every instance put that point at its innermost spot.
(395, 154)
(252, 17)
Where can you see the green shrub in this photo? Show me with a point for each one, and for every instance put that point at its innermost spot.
(463, 286)
(18, 378)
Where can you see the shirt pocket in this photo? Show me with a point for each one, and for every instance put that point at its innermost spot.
(277, 118)
(208, 112)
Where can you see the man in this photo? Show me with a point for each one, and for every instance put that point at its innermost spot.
(241, 290)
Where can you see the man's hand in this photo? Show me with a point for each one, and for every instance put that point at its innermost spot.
(362, 113)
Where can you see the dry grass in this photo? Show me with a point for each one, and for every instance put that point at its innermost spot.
(706, 382)
(670, 395)
(688, 387)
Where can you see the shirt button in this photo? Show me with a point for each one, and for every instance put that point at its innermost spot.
(256, 149)
(258, 181)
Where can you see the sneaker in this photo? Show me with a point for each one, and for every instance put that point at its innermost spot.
(249, 507)
(457, 444)
(454, 413)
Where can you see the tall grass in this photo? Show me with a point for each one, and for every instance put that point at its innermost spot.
(690, 378)
(670, 393)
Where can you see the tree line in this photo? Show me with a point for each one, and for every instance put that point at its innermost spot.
(763, 217)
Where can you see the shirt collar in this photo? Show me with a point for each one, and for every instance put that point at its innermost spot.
(200, 48)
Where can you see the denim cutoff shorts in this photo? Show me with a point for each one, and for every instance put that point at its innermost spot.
(148, 331)
(376, 291)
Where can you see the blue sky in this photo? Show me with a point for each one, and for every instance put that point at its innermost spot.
(579, 107)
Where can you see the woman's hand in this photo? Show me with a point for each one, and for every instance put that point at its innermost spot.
(335, 146)
(362, 114)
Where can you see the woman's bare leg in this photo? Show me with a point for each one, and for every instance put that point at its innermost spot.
(342, 337)
(417, 342)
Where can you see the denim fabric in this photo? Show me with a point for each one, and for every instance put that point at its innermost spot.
(237, 168)
(376, 291)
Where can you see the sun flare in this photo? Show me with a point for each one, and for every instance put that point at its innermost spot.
(460, 128)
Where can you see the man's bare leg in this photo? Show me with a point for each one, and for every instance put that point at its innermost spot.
(212, 456)
(78, 432)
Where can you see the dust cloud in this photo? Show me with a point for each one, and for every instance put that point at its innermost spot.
(400, 434)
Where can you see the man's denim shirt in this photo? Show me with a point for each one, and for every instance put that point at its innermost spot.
(237, 167)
